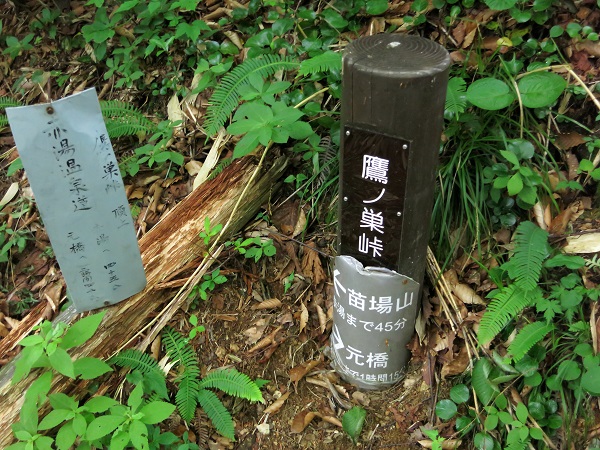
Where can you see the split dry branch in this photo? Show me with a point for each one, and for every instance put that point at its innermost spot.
(170, 246)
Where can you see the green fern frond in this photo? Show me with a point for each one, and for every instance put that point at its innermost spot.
(217, 413)
(187, 398)
(148, 366)
(456, 95)
(531, 249)
(233, 383)
(226, 96)
(6, 102)
(325, 62)
(517, 445)
(226, 162)
(507, 303)
(135, 360)
(528, 337)
(181, 351)
(123, 119)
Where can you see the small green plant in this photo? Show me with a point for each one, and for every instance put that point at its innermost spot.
(14, 46)
(353, 421)
(209, 231)
(516, 178)
(192, 390)
(436, 439)
(254, 247)
(209, 283)
(48, 349)
(98, 422)
(197, 329)
(155, 152)
(287, 282)
(9, 239)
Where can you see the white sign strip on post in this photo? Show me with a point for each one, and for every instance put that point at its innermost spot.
(75, 177)
(374, 317)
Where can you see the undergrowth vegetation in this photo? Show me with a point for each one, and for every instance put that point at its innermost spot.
(270, 72)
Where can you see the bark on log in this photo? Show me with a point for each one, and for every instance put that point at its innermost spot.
(170, 245)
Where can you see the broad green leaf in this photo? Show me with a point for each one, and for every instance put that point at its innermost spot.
(510, 157)
(99, 404)
(376, 7)
(569, 370)
(491, 422)
(25, 361)
(445, 409)
(490, 93)
(541, 89)
(537, 410)
(334, 19)
(155, 412)
(119, 440)
(29, 416)
(138, 433)
(300, 130)
(63, 401)
(62, 362)
(283, 25)
(483, 441)
(88, 368)
(353, 421)
(54, 418)
(103, 425)
(484, 389)
(460, 394)
(82, 330)
(515, 184)
(536, 434)
(521, 412)
(589, 380)
(245, 145)
(500, 5)
(135, 398)
(65, 438)
(522, 148)
(569, 261)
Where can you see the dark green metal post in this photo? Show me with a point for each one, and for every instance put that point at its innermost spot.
(394, 89)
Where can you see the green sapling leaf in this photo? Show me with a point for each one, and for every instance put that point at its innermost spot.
(155, 412)
(82, 330)
(541, 89)
(353, 421)
(490, 93)
(445, 409)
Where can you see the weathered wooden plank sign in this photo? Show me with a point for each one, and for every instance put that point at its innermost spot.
(394, 89)
(75, 177)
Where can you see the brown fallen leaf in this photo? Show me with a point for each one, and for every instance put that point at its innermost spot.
(255, 332)
(311, 264)
(298, 372)
(266, 341)
(322, 319)
(332, 420)
(467, 295)
(303, 317)
(274, 407)
(301, 420)
(267, 304)
(571, 213)
(458, 365)
(448, 444)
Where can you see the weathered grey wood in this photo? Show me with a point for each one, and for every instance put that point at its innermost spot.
(170, 245)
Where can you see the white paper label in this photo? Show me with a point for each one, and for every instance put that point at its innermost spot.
(74, 175)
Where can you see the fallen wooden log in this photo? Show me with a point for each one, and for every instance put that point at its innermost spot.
(169, 246)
